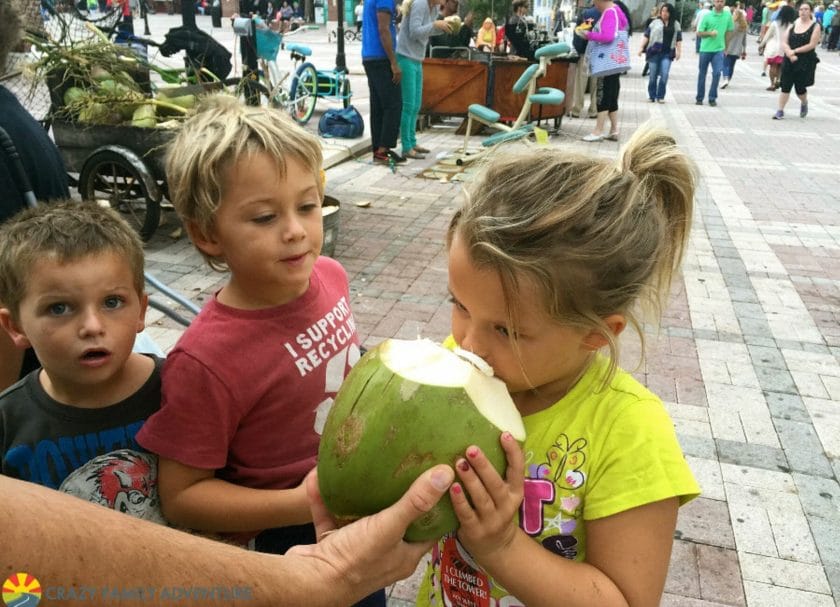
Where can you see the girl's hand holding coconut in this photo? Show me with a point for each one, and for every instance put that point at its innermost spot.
(488, 517)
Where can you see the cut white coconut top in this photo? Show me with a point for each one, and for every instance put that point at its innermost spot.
(425, 362)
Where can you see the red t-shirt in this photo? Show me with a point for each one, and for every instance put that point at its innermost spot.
(246, 392)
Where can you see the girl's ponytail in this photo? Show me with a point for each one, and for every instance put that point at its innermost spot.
(666, 178)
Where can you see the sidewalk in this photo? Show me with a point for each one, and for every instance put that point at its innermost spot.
(748, 357)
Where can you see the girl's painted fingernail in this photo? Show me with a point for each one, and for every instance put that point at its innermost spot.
(456, 489)
(507, 436)
(463, 465)
(472, 452)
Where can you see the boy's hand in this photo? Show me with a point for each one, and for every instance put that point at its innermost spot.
(488, 525)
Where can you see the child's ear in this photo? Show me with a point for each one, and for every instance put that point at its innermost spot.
(15, 332)
(595, 340)
(206, 243)
(141, 320)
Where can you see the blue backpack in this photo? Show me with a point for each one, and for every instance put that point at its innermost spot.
(345, 123)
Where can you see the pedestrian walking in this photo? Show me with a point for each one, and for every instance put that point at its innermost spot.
(771, 44)
(800, 63)
(712, 31)
(662, 43)
(736, 46)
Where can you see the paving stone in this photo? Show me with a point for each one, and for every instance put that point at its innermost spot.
(802, 448)
(720, 575)
(787, 406)
(785, 573)
(705, 521)
(683, 572)
(765, 594)
(757, 456)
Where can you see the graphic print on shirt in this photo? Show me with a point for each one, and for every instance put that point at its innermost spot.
(50, 460)
(327, 342)
(560, 472)
(325, 337)
(124, 480)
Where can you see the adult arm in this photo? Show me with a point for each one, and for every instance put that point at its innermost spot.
(678, 44)
(195, 498)
(627, 553)
(421, 23)
(351, 562)
(608, 26)
(383, 25)
(645, 40)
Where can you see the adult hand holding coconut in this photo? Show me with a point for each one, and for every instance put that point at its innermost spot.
(342, 568)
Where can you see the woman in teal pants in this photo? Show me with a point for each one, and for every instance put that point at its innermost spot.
(418, 25)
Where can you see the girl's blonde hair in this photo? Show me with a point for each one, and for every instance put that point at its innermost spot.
(740, 20)
(596, 237)
(221, 133)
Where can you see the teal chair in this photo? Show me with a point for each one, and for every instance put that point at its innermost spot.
(521, 127)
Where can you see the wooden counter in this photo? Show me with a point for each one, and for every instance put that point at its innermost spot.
(451, 85)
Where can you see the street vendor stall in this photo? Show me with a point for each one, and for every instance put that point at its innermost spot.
(451, 85)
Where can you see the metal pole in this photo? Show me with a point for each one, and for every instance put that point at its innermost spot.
(340, 61)
(187, 13)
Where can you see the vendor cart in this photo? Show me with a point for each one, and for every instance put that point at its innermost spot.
(120, 164)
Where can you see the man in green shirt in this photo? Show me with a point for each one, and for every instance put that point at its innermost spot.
(712, 32)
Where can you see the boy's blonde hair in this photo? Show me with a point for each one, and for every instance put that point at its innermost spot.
(63, 231)
(221, 133)
(593, 235)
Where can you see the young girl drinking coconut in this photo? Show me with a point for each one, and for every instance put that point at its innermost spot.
(549, 261)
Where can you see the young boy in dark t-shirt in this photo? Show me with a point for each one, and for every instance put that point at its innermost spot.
(71, 287)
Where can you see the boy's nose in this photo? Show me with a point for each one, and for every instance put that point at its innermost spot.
(91, 323)
(472, 343)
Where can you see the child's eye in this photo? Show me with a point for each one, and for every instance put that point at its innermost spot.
(308, 207)
(261, 219)
(58, 309)
(113, 302)
(457, 304)
(502, 330)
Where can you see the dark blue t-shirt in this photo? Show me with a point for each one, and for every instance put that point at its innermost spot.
(371, 44)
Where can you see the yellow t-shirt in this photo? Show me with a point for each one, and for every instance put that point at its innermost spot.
(590, 455)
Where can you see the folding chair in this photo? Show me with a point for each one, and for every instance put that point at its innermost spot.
(521, 127)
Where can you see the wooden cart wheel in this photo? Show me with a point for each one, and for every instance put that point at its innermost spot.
(107, 175)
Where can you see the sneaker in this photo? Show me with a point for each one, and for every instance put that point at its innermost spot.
(803, 110)
(422, 150)
(388, 157)
(574, 114)
(712, 103)
(592, 137)
(778, 115)
(698, 102)
(763, 74)
(660, 101)
(724, 84)
(652, 100)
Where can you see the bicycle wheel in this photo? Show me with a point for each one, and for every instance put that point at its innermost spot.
(248, 90)
(346, 93)
(110, 176)
(349, 35)
(304, 93)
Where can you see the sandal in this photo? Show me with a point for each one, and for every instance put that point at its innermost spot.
(414, 154)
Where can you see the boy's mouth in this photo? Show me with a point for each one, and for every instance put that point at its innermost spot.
(95, 355)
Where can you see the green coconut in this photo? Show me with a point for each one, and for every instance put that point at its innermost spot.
(405, 407)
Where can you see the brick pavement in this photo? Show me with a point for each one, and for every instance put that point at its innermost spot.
(748, 355)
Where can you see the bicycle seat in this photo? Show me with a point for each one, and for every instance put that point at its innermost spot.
(299, 49)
